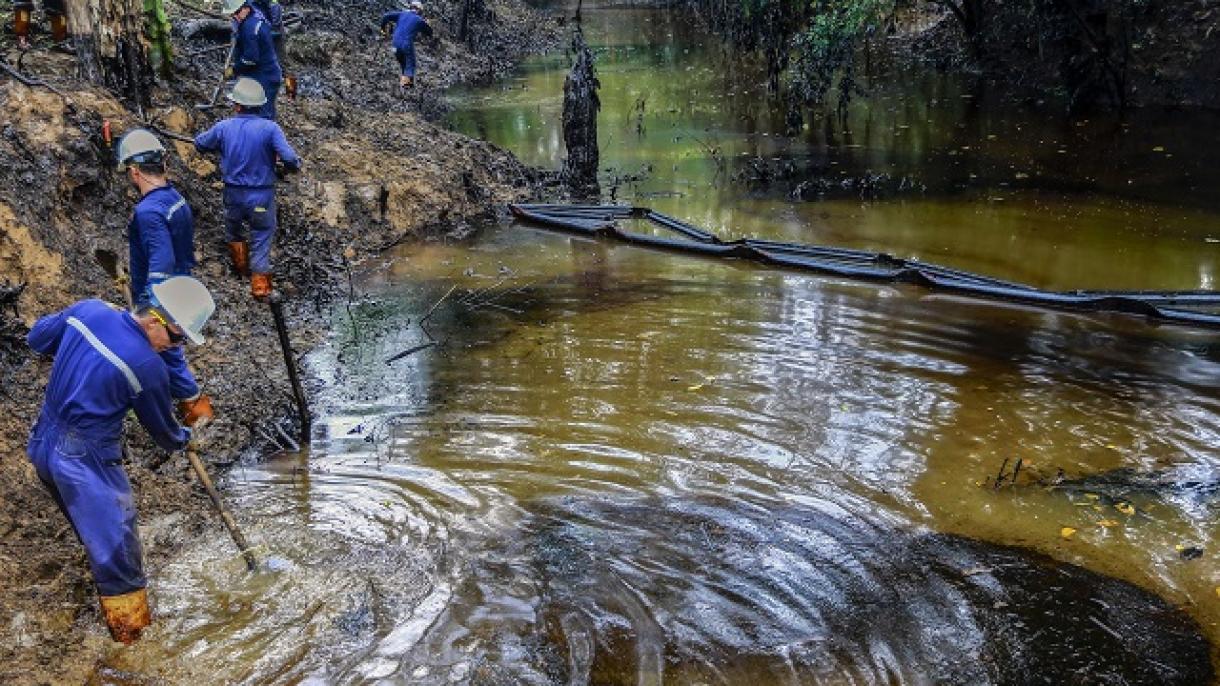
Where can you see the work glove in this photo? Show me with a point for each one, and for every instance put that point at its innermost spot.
(197, 413)
(282, 171)
(229, 73)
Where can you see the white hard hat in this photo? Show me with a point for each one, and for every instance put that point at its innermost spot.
(415, 5)
(248, 93)
(231, 6)
(139, 145)
(187, 302)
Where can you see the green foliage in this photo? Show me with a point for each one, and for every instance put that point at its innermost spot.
(826, 46)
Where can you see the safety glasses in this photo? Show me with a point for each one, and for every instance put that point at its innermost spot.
(175, 337)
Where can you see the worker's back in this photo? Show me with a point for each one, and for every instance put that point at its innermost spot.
(102, 362)
(248, 146)
(408, 27)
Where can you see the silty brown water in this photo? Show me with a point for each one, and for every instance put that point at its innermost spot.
(629, 467)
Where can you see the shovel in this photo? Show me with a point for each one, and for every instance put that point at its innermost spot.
(220, 86)
(110, 264)
(231, 524)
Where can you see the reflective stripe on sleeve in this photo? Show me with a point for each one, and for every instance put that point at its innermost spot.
(107, 353)
(173, 210)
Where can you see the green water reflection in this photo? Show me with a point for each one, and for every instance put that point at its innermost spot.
(959, 174)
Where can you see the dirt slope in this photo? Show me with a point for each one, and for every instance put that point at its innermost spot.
(377, 172)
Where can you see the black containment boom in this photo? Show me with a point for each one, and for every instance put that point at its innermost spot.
(1178, 307)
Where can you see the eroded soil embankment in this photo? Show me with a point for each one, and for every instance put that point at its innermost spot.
(377, 172)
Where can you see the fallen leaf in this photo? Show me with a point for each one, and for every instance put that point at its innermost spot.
(1159, 148)
(1218, 591)
(1107, 523)
(1067, 532)
(695, 387)
(1125, 508)
(1092, 496)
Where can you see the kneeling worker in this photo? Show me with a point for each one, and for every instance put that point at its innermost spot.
(161, 245)
(107, 363)
(250, 147)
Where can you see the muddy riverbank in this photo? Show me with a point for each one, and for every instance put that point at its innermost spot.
(377, 172)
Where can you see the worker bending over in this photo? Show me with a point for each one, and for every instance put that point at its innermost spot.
(250, 148)
(23, 13)
(161, 245)
(107, 363)
(254, 51)
(407, 26)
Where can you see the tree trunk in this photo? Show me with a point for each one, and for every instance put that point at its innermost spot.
(580, 106)
(110, 46)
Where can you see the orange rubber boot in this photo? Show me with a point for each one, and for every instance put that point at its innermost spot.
(260, 286)
(21, 26)
(240, 252)
(59, 28)
(127, 615)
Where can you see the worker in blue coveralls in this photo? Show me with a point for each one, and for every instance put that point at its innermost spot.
(253, 153)
(274, 12)
(108, 362)
(407, 26)
(254, 51)
(161, 244)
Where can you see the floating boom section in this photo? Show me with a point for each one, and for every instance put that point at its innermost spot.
(602, 220)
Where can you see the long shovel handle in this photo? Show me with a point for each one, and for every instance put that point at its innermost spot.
(230, 523)
(220, 85)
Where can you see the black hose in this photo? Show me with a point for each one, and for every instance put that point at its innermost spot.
(599, 220)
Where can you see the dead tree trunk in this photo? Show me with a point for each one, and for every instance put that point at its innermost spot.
(110, 46)
(580, 107)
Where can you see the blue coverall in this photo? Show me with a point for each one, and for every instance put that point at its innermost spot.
(408, 25)
(104, 367)
(249, 146)
(274, 12)
(160, 240)
(161, 244)
(254, 56)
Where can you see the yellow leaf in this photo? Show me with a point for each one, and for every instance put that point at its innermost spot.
(1218, 590)
(1125, 508)
(1067, 532)
(1092, 496)
(1159, 148)
(1107, 523)
(1179, 547)
(1111, 446)
(695, 387)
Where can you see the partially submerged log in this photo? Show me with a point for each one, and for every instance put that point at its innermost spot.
(580, 107)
